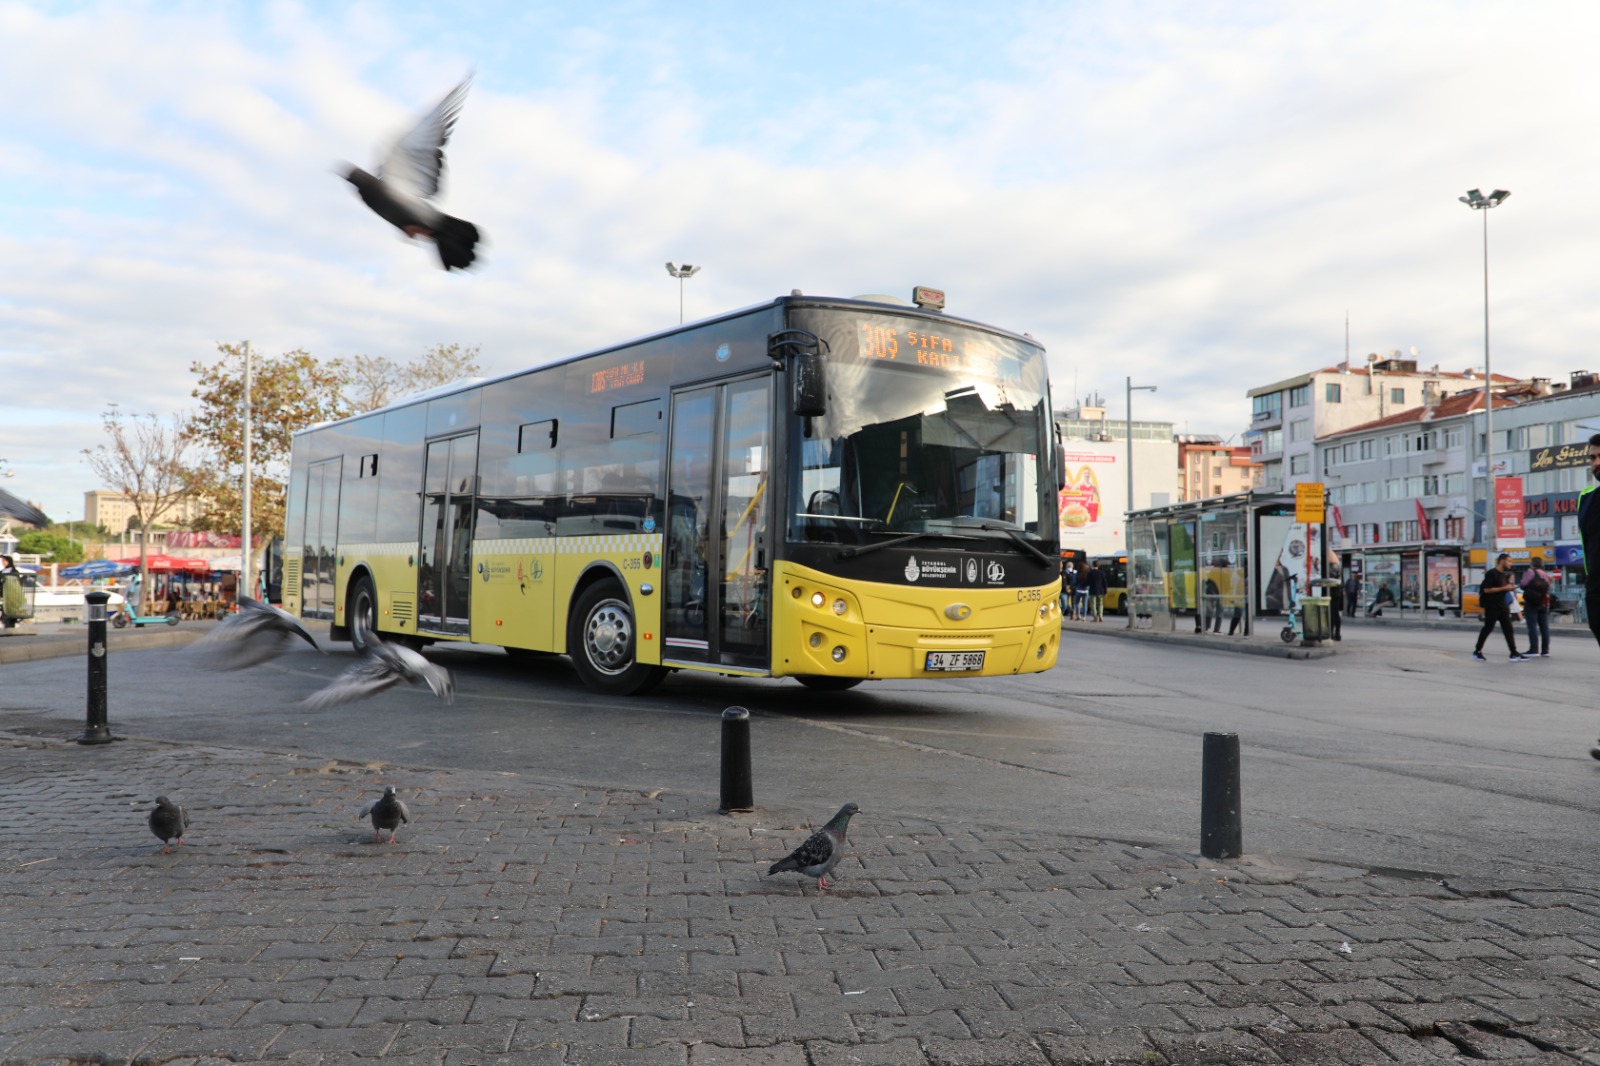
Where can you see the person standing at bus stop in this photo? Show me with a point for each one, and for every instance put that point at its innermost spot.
(1496, 611)
(1098, 584)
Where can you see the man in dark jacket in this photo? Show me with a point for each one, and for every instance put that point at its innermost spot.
(1496, 610)
(1589, 535)
(1097, 591)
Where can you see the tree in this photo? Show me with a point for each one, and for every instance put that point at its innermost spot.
(373, 381)
(144, 461)
(288, 392)
(57, 549)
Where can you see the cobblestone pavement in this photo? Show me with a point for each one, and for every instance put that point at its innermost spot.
(517, 922)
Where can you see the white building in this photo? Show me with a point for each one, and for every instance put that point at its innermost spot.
(1288, 417)
(1093, 505)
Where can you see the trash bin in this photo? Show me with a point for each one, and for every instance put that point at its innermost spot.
(1315, 621)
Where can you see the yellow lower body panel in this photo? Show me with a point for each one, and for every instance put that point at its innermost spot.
(824, 626)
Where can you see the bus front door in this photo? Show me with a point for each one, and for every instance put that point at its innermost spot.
(444, 573)
(717, 550)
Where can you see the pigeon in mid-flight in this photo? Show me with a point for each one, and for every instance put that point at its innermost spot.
(167, 822)
(408, 179)
(257, 633)
(382, 666)
(388, 812)
(822, 850)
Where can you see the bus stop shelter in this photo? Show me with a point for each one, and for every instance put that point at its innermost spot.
(1222, 562)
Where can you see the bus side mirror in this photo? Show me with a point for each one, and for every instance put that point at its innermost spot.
(1061, 461)
(800, 352)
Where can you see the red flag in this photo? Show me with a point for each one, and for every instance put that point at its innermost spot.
(1422, 521)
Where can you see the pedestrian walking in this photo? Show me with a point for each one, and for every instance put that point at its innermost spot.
(1536, 609)
(1492, 598)
(1336, 606)
(1068, 579)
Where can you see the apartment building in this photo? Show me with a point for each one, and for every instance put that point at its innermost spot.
(112, 511)
(1288, 417)
(1209, 467)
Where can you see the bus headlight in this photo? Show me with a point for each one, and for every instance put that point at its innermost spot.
(838, 653)
(840, 607)
(816, 640)
(818, 599)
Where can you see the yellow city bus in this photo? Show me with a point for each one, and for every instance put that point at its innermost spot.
(826, 489)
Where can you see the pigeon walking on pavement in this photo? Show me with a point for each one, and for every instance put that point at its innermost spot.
(822, 850)
(257, 633)
(167, 822)
(388, 812)
(382, 666)
(408, 179)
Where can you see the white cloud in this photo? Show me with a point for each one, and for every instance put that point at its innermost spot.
(1190, 196)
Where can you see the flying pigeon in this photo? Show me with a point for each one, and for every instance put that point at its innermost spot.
(257, 633)
(409, 178)
(822, 850)
(383, 666)
(387, 812)
(168, 821)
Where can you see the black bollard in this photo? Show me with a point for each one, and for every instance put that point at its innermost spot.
(96, 731)
(1221, 819)
(737, 794)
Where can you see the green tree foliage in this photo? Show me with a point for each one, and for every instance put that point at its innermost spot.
(288, 392)
(55, 548)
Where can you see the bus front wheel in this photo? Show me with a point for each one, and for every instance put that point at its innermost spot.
(602, 640)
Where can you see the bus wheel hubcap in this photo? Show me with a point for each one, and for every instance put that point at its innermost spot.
(609, 635)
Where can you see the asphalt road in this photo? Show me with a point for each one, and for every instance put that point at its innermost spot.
(1398, 754)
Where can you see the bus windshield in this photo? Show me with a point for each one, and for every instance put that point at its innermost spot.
(931, 428)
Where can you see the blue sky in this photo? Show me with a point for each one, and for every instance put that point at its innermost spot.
(1192, 194)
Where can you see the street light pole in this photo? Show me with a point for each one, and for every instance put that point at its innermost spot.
(244, 537)
(1127, 521)
(1481, 203)
(681, 272)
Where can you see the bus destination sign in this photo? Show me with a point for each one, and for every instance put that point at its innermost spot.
(616, 377)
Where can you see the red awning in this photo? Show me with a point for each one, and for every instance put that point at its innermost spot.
(166, 564)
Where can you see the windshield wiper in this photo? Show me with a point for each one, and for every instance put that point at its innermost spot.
(1016, 535)
(988, 527)
(866, 549)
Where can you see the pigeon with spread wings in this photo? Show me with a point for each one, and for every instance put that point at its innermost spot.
(408, 179)
(382, 667)
(257, 633)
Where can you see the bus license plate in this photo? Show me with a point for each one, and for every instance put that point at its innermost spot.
(954, 660)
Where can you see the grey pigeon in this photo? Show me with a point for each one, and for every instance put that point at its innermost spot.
(167, 822)
(822, 850)
(257, 633)
(383, 666)
(409, 178)
(388, 812)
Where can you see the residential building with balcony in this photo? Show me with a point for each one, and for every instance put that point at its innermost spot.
(1209, 467)
(1288, 417)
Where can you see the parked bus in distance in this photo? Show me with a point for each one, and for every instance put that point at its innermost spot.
(826, 489)
(1116, 580)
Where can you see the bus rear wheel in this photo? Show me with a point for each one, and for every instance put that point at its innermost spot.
(602, 640)
(361, 616)
(822, 683)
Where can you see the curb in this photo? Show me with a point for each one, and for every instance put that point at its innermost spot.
(31, 647)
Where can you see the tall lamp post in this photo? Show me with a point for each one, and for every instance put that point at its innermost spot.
(1127, 522)
(244, 588)
(681, 272)
(1481, 203)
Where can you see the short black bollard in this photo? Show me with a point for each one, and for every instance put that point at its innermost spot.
(737, 794)
(96, 731)
(1221, 818)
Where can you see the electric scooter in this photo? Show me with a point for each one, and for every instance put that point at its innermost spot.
(1294, 628)
(125, 617)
